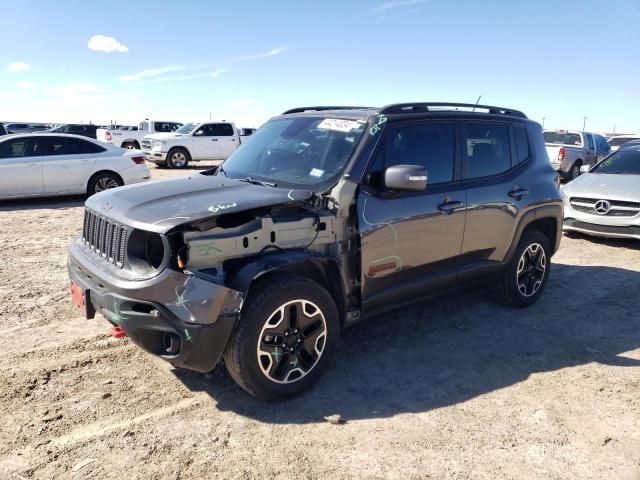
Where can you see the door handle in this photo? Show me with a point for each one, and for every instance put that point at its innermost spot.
(214, 139)
(450, 205)
(233, 139)
(518, 193)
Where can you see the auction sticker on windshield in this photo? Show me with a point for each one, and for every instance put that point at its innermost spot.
(338, 125)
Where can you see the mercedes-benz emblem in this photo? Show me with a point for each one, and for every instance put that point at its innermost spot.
(602, 207)
(106, 207)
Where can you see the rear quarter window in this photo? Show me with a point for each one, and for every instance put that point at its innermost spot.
(523, 151)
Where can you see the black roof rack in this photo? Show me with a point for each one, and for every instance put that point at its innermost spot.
(320, 109)
(427, 107)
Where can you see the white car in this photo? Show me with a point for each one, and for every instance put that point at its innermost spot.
(619, 140)
(131, 137)
(45, 164)
(193, 141)
(605, 200)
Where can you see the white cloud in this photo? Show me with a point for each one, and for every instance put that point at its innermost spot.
(244, 102)
(24, 84)
(150, 73)
(102, 43)
(18, 67)
(78, 89)
(271, 53)
(384, 7)
(218, 71)
(5, 95)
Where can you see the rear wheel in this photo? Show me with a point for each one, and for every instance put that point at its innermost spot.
(575, 171)
(103, 181)
(524, 281)
(178, 158)
(287, 334)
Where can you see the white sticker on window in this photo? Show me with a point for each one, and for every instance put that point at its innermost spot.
(316, 172)
(338, 124)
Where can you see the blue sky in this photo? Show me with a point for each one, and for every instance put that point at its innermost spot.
(246, 61)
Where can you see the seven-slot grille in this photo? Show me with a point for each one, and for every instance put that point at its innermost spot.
(106, 238)
(617, 208)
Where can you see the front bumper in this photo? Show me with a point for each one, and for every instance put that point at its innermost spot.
(155, 156)
(600, 225)
(181, 318)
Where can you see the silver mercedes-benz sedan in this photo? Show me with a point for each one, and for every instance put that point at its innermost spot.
(605, 200)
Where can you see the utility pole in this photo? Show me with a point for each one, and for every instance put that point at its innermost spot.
(543, 119)
(584, 123)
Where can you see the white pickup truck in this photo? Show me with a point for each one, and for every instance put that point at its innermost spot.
(127, 138)
(192, 141)
(568, 150)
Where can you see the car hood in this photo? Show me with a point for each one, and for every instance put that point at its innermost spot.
(161, 205)
(603, 185)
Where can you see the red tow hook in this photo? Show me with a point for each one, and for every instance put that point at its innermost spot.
(118, 332)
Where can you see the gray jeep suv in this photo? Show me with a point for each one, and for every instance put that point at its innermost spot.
(326, 217)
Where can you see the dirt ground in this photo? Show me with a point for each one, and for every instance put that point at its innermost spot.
(455, 387)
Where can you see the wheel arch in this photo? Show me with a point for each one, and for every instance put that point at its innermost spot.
(99, 172)
(548, 219)
(321, 269)
(179, 147)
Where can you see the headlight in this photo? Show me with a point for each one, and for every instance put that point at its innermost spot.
(146, 251)
(159, 144)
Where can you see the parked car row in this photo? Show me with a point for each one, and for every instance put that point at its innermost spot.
(569, 150)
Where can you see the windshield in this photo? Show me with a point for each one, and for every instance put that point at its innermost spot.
(297, 152)
(187, 128)
(562, 138)
(625, 161)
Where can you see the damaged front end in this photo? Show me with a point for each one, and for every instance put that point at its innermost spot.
(176, 285)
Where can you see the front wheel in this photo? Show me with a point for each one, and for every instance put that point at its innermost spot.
(103, 181)
(178, 158)
(527, 274)
(287, 334)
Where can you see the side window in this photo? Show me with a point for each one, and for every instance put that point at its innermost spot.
(76, 129)
(205, 131)
(22, 147)
(486, 147)
(173, 127)
(431, 145)
(223, 130)
(64, 146)
(522, 143)
(589, 141)
(90, 147)
(163, 127)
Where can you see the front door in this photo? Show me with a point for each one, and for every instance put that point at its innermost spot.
(20, 168)
(205, 143)
(410, 241)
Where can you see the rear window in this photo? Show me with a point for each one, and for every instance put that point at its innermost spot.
(562, 138)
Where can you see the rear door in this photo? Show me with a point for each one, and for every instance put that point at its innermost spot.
(411, 241)
(205, 142)
(67, 164)
(227, 141)
(20, 167)
(497, 189)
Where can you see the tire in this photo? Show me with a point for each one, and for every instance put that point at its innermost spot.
(523, 288)
(131, 145)
(178, 158)
(288, 311)
(574, 172)
(103, 181)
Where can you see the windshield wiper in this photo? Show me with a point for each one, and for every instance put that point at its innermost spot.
(257, 182)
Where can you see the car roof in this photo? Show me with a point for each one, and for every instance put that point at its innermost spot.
(52, 134)
(408, 110)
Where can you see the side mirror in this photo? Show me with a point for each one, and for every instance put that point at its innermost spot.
(199, 133)
(406, 178)
(585, 168)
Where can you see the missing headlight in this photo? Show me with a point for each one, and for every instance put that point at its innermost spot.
(146, 251)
